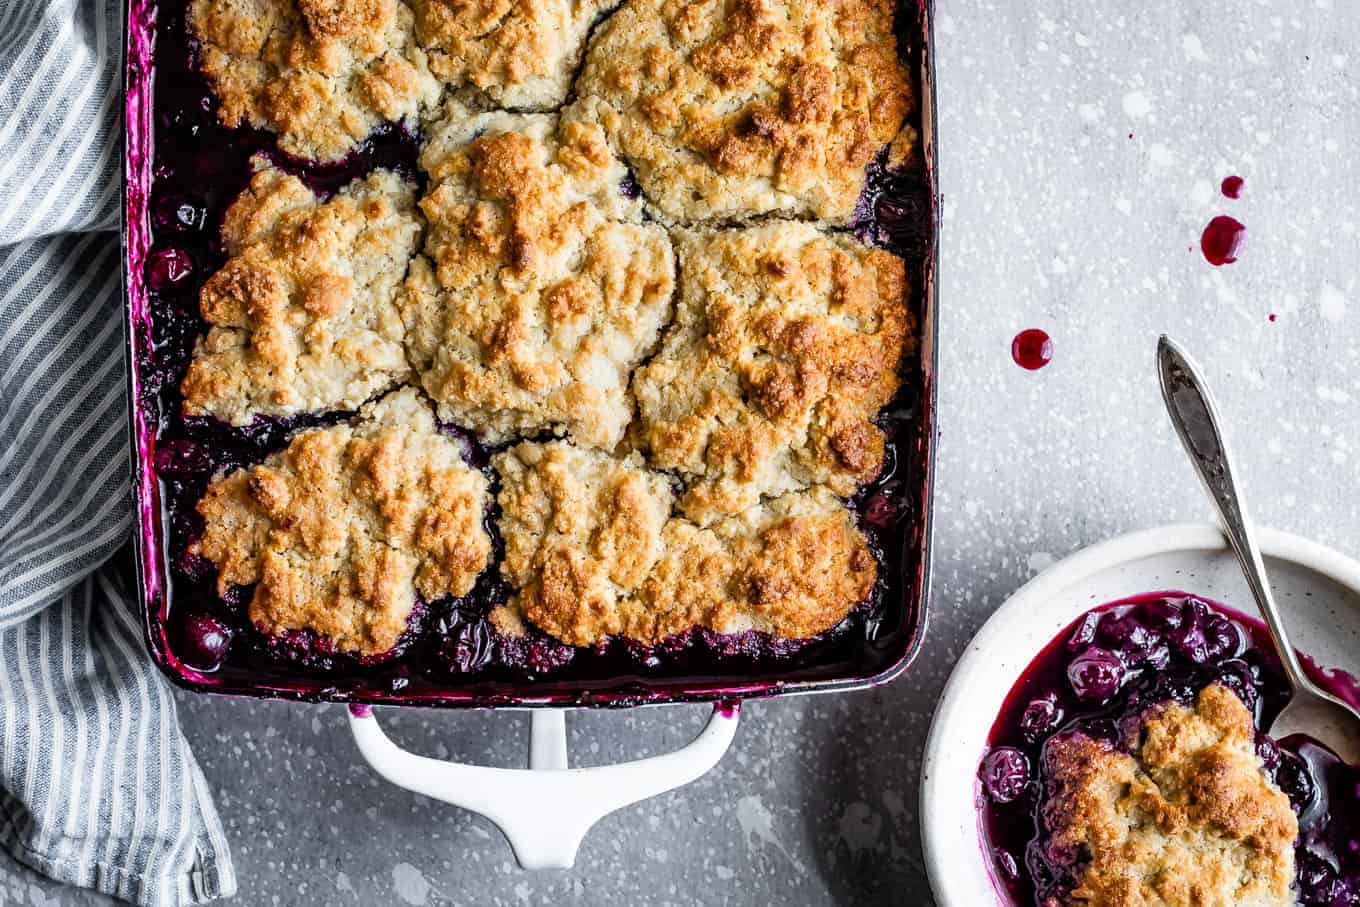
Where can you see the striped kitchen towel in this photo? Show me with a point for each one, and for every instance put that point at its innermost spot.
(97, 785)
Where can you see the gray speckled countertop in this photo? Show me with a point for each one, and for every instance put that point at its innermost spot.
(1082, 143)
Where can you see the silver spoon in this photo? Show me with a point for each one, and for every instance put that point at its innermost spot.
(1311, 710)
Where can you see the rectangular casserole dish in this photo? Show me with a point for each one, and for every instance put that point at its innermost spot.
(879, 645)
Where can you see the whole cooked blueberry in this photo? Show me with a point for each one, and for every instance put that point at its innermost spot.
(1189, 642)
(884, 507)
(1084, 633)
(894, 211)
(1125, 634)
(179, 213)
(204, 641)
(1294, 778)
(1196, 609)
(1006, 861)
(1005, 774)
(1096, 675)
(1222, 638)
(1236, 675)
(467, 647)
(194, 565)
(1116, 627)
(168, 270)
(1041, 717)
(1268, 751)
(1157, 657)
(1317, 880)
(1162, 614)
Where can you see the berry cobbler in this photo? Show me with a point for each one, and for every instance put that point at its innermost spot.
(505, 339)
(1128, 769)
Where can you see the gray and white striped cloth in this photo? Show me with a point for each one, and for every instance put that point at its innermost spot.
(97, 785)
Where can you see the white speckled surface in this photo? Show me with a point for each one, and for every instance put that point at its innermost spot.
(1054, 218)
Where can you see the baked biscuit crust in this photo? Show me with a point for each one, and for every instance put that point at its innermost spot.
(511, 53)
(785, 346)
(342, 530)
(303, 315)
(1189, 818)
(592, 554)
(320, 73)
(542, 288)
(793, 567)
(731, 108)
(582, 531)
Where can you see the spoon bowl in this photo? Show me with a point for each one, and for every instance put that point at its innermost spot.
(1317, 714)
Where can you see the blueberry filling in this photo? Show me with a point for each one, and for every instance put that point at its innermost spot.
(1098, 678)
(197, 170)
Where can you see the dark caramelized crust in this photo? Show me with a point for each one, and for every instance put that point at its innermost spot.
(592, 554)
(303, 316)
(320, 73)
(1189, 820)
(785, 346)
(542, 288)
(511, 53)
(341, 531)
(729, 108)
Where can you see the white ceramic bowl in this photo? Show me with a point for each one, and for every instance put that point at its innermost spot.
(1317, 588)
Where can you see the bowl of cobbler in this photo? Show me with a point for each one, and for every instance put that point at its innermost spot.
(1104, 741)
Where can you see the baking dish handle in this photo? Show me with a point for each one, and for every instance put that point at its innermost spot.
(546, 809)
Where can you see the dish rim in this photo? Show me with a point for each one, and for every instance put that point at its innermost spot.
(939, 805)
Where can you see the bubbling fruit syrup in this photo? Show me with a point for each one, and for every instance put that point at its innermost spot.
(1105, 670)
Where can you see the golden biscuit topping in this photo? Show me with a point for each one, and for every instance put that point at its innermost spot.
(541, 289)
(303, 315)
(593, 553)
(1189, 818)
(730, 108)
(785, 346)
(320, 73)
(792, 566)
(582, 530)
(340, 532)
(515, 53)
(525, 292)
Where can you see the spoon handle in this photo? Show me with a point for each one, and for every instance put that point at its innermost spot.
(1195, 417)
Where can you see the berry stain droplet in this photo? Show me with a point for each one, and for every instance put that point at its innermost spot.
(1221, 240)
(1032, 349)
(1232, 187)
